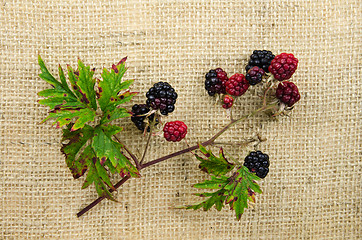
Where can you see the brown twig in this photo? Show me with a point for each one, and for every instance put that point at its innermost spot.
(178, 153)
(98, 200)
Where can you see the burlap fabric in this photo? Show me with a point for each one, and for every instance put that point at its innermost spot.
(313, 190)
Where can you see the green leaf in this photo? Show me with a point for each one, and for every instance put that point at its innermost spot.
(115, 114)
(110, 166)
(74, 105)
(217, 198)
(102, 172)
(64, 104)
(111, 86)
(214, 165)
(106, 148)
(214, 183)
(60, 93)
(255, 187)
(250, 175)
(64, 82)
(95, 177)
(239, 207)
(64, 116)
(111, 130)
(86, 84)
(234, 191)
(47, 76)
(77, 140)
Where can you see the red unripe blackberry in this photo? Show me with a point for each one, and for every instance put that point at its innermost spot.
(137, 119)
(215, 81)
(174, 131)
(162, 96)
(288, 93)
(261, 59)
(255, 75)
(283, 66)
(227, 102)
(258, 163)
(236, 85)
(222, 76)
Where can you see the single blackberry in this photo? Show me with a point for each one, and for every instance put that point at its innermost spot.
(283, 66)
(139, 121)
(288, 93)
(215, 81)
(236, 85)
(258, 163)
(162, 96)
(255, 75)
(223, 76)
(227, 102)
(260, 58)
(174, 131)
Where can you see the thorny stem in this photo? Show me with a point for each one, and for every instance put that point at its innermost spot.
(98, 200)
(178, 153)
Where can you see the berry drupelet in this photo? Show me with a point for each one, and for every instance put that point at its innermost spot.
(215, 81)
(162, 96)
(258, 163)
(261, 59)
(255, 75)
(137, 111)
(288, 93)
(174, 131)
(236, 85)
(283, 66)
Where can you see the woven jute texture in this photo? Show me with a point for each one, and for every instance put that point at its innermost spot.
(313, 190)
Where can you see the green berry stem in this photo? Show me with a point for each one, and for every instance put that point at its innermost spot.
(178, 153)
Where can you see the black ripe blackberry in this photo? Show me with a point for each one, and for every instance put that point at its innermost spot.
(215, 81)
(257, 162)
(260, 58)
(139, 121)
(162, 96)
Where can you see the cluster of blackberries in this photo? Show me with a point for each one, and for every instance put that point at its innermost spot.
(283, 67)
(261, 62)
(258, 163)
(161, 96)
